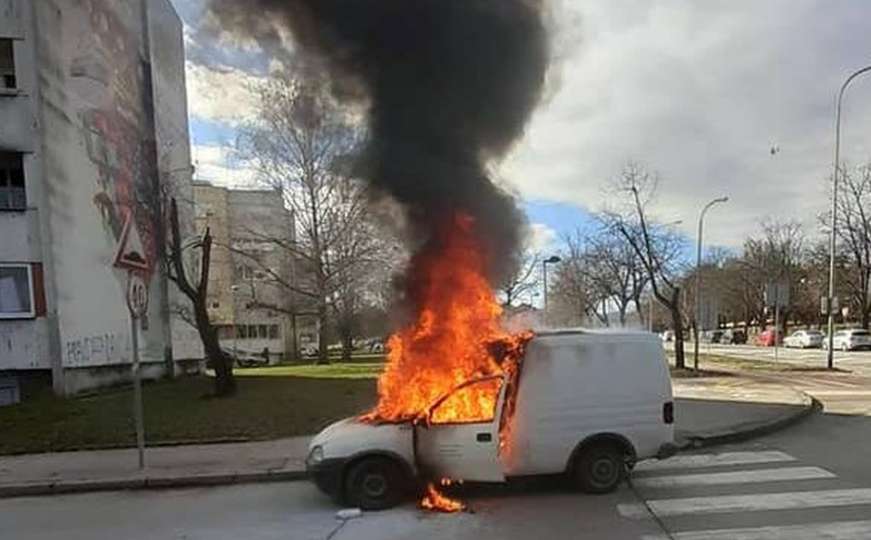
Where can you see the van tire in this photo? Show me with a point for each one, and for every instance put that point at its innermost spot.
(599, 468)
(374, 483)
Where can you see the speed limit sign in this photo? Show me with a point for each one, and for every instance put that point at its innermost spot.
(137, 295)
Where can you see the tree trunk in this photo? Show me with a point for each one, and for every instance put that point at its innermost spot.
(347, 344)
(323, 357)
(225, 383)
(677, 323)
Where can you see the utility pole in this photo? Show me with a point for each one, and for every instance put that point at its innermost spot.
(699, 278)
(830, 352)
(553, 259)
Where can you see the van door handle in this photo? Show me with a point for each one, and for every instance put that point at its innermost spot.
(484, 437)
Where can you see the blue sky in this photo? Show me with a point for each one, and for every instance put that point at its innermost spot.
(697, 91)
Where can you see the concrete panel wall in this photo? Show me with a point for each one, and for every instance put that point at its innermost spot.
(24, 344)
(11, 18)
(173, 149)
(99, 164)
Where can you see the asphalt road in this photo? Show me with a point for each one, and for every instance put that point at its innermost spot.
(858, 361)
(804, 483)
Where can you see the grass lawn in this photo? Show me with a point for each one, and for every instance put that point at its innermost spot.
(272, 402)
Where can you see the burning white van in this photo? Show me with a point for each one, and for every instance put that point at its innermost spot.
(587, 404)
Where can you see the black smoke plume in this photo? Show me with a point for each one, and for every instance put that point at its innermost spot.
(449, 84)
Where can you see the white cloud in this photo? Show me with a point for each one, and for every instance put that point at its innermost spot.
(540, 237)
(217, 165)
(223, 95)
(699, 92)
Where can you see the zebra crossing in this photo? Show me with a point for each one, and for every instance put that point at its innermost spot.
(772, 492)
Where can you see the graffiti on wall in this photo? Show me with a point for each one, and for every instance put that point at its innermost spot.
(108, 74)
(102, 348)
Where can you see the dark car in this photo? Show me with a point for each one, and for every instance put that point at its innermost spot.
(712, 336)
(734, 337)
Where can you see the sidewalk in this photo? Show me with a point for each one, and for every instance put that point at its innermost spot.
(707, 410)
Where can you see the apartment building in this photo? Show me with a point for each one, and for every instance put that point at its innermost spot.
(93, 118)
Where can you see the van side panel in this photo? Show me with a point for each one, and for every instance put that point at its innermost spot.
(578, 385)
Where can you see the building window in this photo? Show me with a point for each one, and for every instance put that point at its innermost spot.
(16, 291)
(273, 331)
(241, 331)
(7, 66)
(12, 193)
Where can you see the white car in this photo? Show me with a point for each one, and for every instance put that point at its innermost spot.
(804, 339)
(587, 404)
(850, 340)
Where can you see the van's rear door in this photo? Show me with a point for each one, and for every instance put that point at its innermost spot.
(462, 450)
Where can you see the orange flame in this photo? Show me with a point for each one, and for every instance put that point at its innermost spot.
(455, 338)
(438, 502)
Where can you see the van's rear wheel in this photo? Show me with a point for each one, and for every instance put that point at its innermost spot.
(374, 483)
(600, 468)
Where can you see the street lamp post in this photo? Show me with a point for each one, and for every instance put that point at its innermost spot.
(553, 259)
(830, 353)
(699, 278)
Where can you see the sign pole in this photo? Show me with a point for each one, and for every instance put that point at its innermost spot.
(137, 391)
(137, 303)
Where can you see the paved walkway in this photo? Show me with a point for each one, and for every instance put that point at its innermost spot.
(708, 410)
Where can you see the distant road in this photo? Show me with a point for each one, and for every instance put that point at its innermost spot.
(859, 361)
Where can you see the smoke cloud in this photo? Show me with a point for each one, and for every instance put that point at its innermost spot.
(449, 86)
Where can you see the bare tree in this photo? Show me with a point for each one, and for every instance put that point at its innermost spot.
(655, 246)
(615, 270)
(197, 292)
(523, 280)
(854, 233)
(775, 256)
(302, 143)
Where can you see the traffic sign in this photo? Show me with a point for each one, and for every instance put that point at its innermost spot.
(130, 254)
(137, 295)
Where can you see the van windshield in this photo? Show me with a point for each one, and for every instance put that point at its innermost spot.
(474, 403)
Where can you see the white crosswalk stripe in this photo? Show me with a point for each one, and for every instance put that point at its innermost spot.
(844, 530)
(729, 471)
(722, 504)
(739, 477)
(698, 461)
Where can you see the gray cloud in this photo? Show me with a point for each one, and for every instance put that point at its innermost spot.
(699, 91)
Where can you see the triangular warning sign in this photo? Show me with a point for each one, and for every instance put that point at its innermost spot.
(130, 253)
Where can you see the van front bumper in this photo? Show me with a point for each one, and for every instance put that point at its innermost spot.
(327, 475)
(666, 451)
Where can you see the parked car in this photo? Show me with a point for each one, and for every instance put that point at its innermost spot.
(734, 336)
(308, 351)
(246, 359)
(711, 336)
(804, 339)
(766, 338)
(623, 377)
(850, 340)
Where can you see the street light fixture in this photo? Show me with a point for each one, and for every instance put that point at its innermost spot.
(699, 278)
(830, 354)
(553, 259)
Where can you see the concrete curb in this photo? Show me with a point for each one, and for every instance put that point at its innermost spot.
(740, 433)
(148, 482)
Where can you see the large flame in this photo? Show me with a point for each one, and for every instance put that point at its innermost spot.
(455, 338)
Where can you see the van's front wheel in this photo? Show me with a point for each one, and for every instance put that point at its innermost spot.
(374, 483)
(599, 468)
